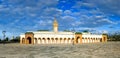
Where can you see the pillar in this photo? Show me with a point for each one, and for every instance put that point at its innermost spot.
(21, 40)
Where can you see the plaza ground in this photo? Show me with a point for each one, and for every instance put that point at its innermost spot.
(88, 50)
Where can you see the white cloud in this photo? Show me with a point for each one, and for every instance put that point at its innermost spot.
(107, 6)
(22, 15)
(105, 20)
(67, 12)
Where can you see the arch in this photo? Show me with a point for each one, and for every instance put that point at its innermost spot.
(29, 40)
(35, 41)
(77, 39)
(88, 40)
(68, 38)
(69, 41)
(100, 39)
(39, 40)
(72, 38)
(64, 38)
(72, 41)
(93, 40)
(44, 41)
(60, 38)
(48, 40)
(23, 40)
(52, 40)
(56, 40)
(104, 39)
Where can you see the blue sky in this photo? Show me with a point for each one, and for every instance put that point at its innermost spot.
(19, 16)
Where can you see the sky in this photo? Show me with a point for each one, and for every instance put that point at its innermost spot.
(97, 16)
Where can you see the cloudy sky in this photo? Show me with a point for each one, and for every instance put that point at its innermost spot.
(19, 16)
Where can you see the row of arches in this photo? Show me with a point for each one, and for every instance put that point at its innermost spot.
(53, 40)
(60, 40)
(88, 40)
(91, 40)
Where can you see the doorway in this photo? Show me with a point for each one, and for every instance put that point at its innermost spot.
(29, 40)
(78, 40)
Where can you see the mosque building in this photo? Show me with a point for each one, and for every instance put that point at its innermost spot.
(57, 37)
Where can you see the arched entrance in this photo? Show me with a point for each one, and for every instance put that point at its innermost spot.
(78, 39)
(100, 39)
(23, 40)
(29, 40)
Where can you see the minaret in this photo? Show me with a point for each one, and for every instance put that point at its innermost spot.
(55, 26)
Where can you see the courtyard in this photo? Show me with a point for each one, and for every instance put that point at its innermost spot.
(87, 50)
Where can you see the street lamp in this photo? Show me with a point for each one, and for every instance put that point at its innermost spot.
(73, 35)
(3, 32)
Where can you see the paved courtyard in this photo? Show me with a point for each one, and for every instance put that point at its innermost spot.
(96, 50)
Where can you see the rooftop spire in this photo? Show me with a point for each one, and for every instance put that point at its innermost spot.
(55, 25)
(55, 21)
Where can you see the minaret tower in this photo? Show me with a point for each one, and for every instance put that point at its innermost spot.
(55, 26)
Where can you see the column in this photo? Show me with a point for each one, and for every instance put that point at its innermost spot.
(83, 40)
(65, 40)
(50, 41)
(58, 40)
(69, 40)
(96, 40)
(62, 40)
(36, 40)
(93, 40)
(40, 40)
(53, 40)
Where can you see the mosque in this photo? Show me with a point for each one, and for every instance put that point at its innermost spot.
(57, 37)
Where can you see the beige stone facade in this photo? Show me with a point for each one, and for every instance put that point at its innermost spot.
(56, 37)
